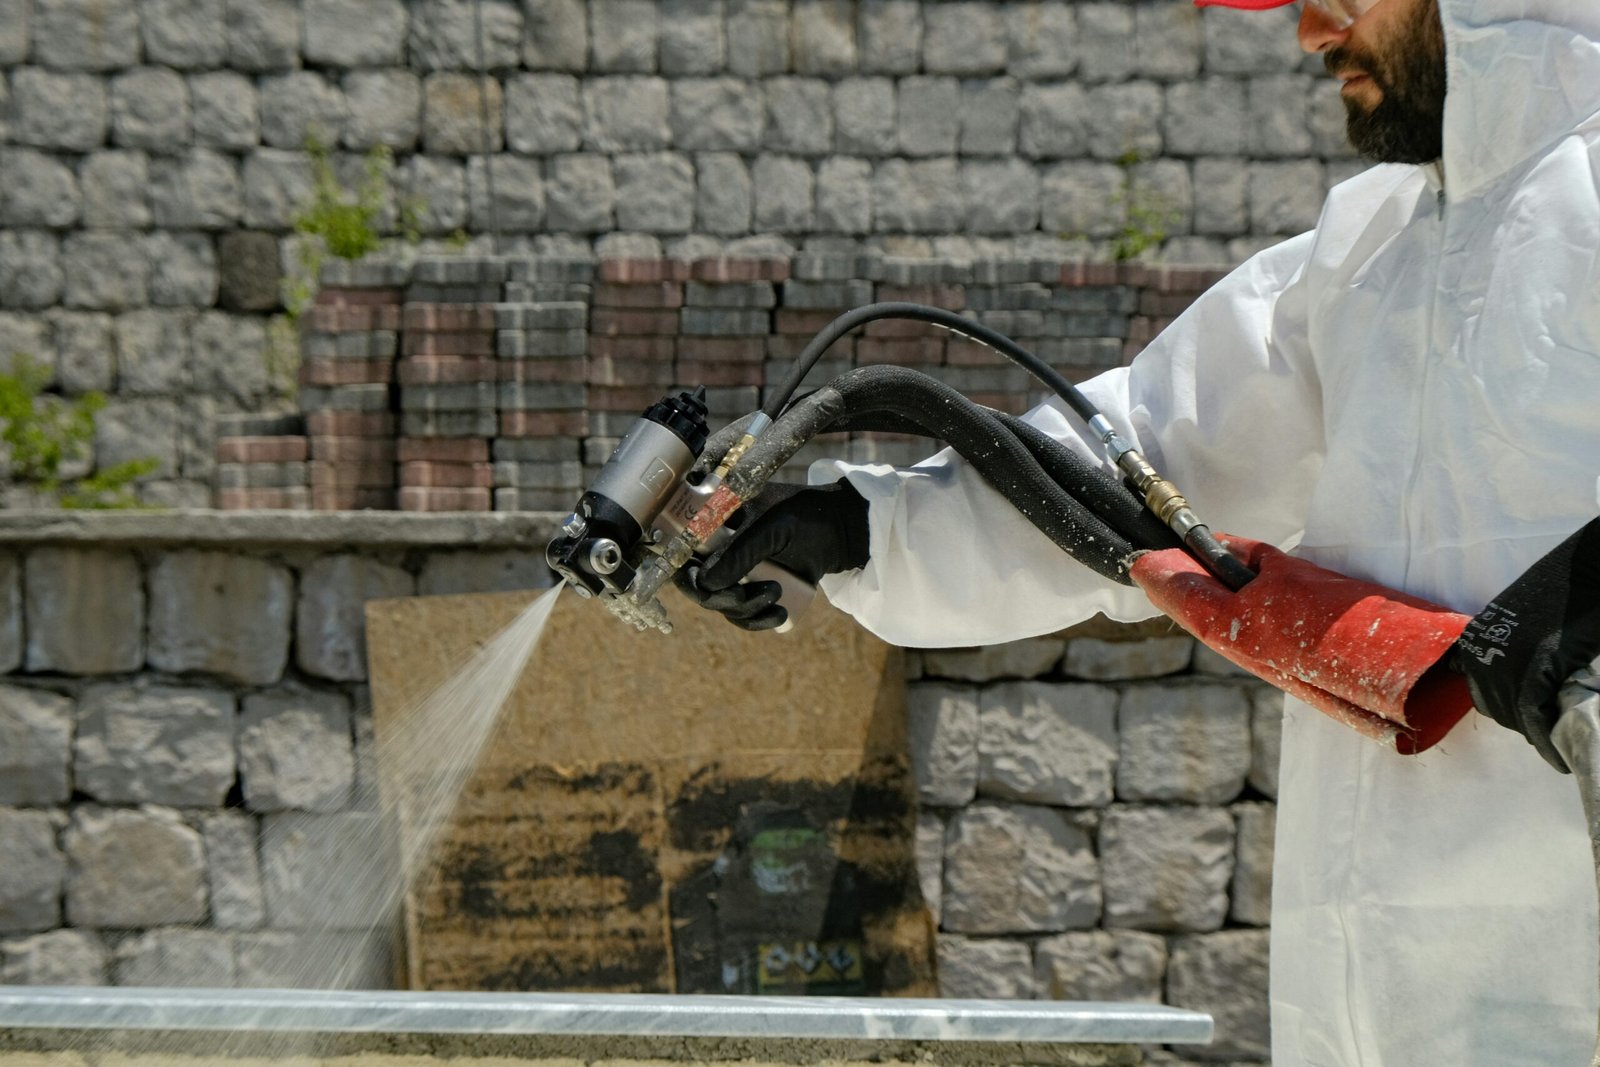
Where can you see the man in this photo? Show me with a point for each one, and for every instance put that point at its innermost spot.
(1411, 394)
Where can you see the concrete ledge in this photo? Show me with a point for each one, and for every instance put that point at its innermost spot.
(595, 1026)
(505, 529)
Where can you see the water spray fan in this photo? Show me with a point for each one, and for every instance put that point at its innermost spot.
(1361, 653)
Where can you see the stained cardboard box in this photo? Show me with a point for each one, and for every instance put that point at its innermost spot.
(706, 811)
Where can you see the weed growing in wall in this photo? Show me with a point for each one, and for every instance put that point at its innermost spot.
(49, 436)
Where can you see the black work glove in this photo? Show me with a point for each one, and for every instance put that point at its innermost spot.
(809, 532)
(1521, 649)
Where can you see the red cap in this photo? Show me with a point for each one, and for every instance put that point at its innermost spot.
(1246, 5)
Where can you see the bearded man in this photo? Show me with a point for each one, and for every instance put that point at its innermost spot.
(1409, 394)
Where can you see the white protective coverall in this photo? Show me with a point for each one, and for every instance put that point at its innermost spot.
(1413, 389)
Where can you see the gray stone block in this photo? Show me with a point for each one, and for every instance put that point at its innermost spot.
(1225, 975)
(822, 37)
(85, 357)
(14, 31)
(1235, 43)
(889, 36)
(1208, 662)
(155, 744)
(691, 38)
(183, 269)
(1285, 198)
(132, 868)
(276, 183)
(1054, 121)
(716, 114)
(655, 193)
(979, 968)
(314, 959)
(139, 428)
(149, 109)
(785, 194)
(35, 871)
(385, 108)
(1018, 869)
(517, 204)
(301, 105)
(580, 195)
(544, 113)
(930, 861)
(197, 191)
(844, 196)
(942, 738)
(354, 33)
(186, 34)
(1279, 120)
(115, 187)
(758, 37)
(1029, 658)
(230, 355)
(40, 190)
(1105, 661)
(84, 611)
(864, 116)
(1168, 42)
(1220, 207)
(1189, 744)
(233, 870)
(622, 36)
(1106, 42)
(625, 114)
(1125, 121)
(1118, 966)
(799, 116)
(86, 34)
(249, 275)
(263, 35)
(917, 196)
(175, 957)
(479, 571)
(226, 111)
(450, 35)
(965, 37)
(56, 110)
(295, 751)
(1002, 195)
(1206, 118)
(1084, 200)
(722, 202)
(330, 624)
(30, 269)
(1047, 743)
(989, 114)
(928, 116)
(1161, 197)
(454, 110)
(152, 351)
(1266, 739)
(439, 186)
(57, 958)
(1252, 870)
(555, 35)
(35, 744)
(221, 614)
(328, 872)
(1166, 869)
(1043, 40)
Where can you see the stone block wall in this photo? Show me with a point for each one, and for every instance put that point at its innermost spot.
(503, 383)
(154, 155)
(185, 745)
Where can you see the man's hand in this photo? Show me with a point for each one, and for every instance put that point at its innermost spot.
(1518, 652)
(809, 532)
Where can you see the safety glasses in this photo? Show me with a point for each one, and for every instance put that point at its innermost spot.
(1341, 13)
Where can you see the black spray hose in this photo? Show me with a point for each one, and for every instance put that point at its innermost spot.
(1158, 494)
(975, 432)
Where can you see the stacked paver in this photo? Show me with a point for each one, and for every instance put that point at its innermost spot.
(499, 383)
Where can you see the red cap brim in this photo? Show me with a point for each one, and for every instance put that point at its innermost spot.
(1244, 5)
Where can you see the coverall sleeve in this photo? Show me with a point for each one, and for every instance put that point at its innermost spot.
(1224, 402)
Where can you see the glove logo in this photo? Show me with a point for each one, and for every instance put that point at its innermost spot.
(1489, 656)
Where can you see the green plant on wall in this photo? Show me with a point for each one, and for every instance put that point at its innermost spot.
(45, 434)
(1149, 216)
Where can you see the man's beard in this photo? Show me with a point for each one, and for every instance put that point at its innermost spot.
(1407, 125)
